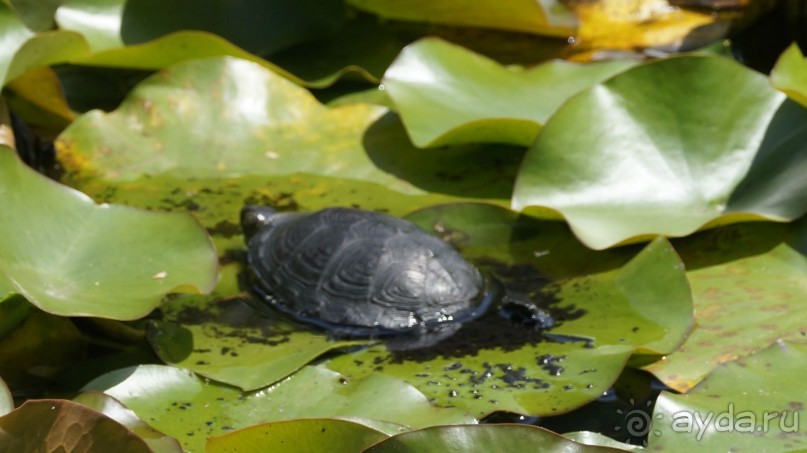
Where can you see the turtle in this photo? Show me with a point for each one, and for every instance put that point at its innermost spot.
(360, 273)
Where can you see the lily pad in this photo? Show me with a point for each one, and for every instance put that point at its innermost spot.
(482, 438)
(748, 290)
(113, 409)
(597, 439)
(790, 74)
(37, 98)
(272, 143)
(224, 338)
(76, 258)
(547, 17)
(191, 409)
(446, 94)
(753, 404)
(23, 50)
(667, 148)
(601, 300)
(304, 436)
(61, 425)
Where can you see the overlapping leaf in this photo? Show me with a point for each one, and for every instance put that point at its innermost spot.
(190, 409)
(667, 148)
(748, 289)
(446, 94)
(72, 257)
(609, 305)
(754, 404)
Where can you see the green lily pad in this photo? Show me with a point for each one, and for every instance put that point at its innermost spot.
(224, 338)
(790, 74)
(113, 409)
(273, 144)
(547, 17)
(61, 425)
(36, 14)
(446, 94)
(191, 409)
(482, 438)
(748, 290)
(753, 404)
(304, 436)
(23, 50)
(76, 258)
(99, 21)
(667, 148)
(38, 99)
(599, 298)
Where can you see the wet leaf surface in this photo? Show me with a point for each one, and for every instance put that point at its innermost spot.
(496, 364)
(76, 258)
(191, 409)
(668, 147)
(482, 438)
(6, 400)
(756, 403)
(447, 95)
(748, 290)
(309, 435)
(61, 425)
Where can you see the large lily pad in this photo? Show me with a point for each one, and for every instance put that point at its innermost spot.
(61, 425)
(190, 409)
(76, 258)
(603, 301)
(210, 135)
(483, 438)
(666, 148)
(23, 50)
(790, 74)
(303, 436)
(753, 404)
(748, 289)
(446, 94)
(547, 17)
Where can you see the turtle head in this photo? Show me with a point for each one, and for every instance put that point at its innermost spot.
(255, 218)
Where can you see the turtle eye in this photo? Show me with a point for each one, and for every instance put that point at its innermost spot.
(253, 218)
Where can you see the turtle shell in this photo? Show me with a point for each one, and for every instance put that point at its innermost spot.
(363, 270)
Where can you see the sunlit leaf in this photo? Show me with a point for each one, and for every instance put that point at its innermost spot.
(748, 289)
(790, 74)
(77, 258)
(609, 305)
(666, 148)
(304, 436)
(191, 409)
(446, 94)
(482, 438)
(61, 425)
(272, 143)
(547, 17)
(113, 409)
(754, 404)
(23, 50)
